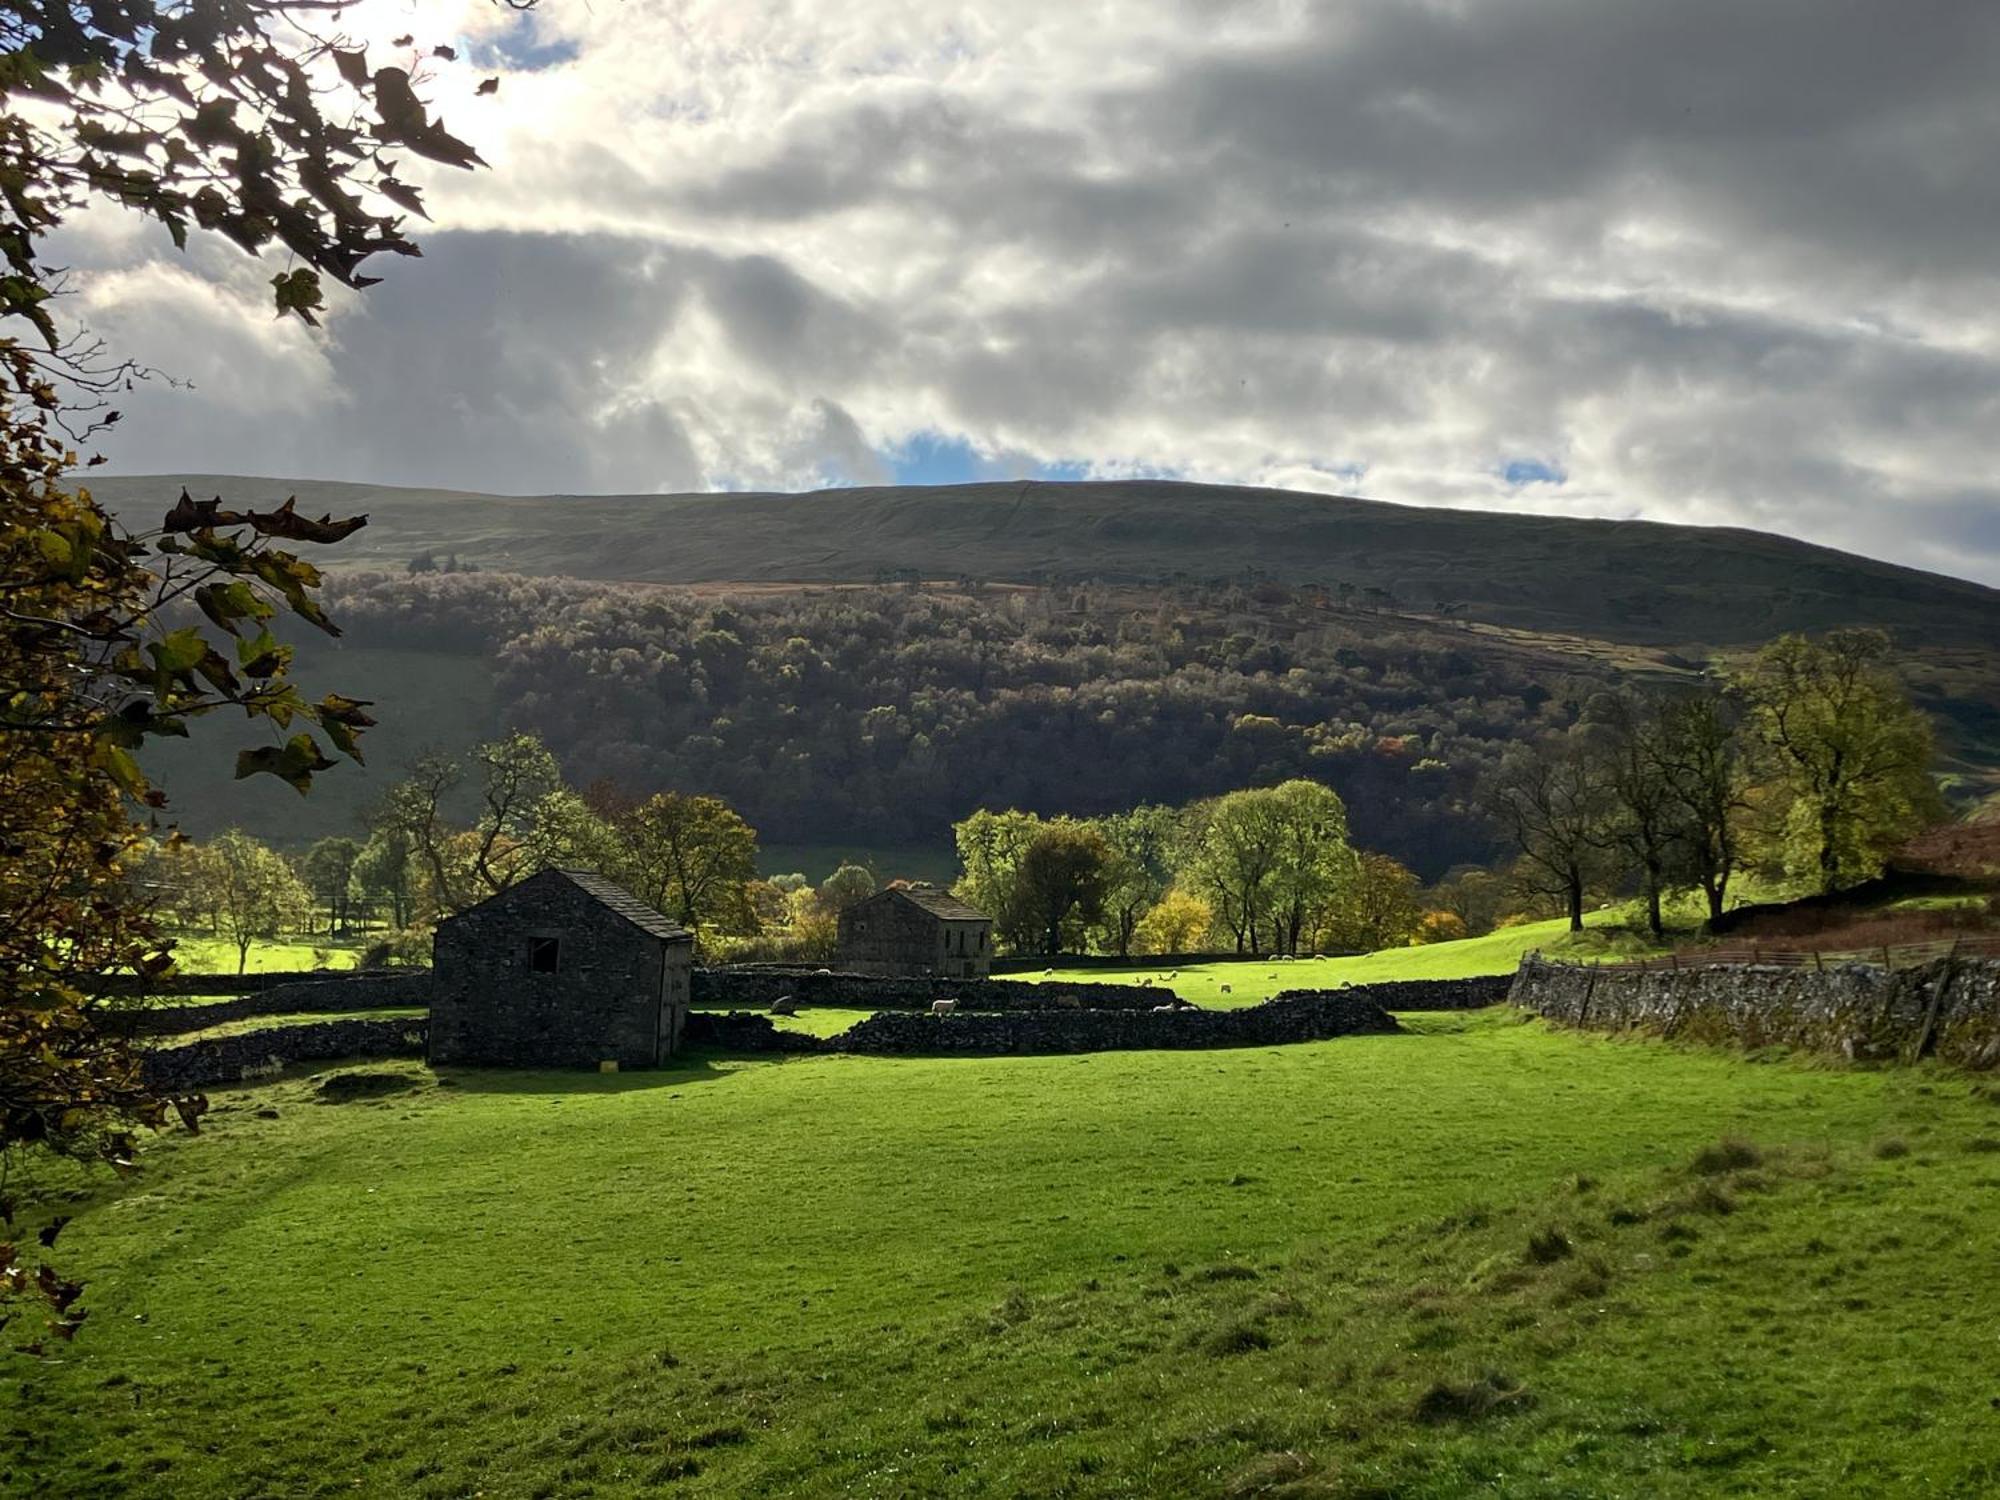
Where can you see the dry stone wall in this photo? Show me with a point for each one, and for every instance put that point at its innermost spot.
(329, 994)
(1422, 994)
(1949, 1009)
(900, 1033)
(253, 1054)
(757, 988)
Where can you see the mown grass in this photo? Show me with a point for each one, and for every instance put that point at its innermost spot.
(1487, 1257)
(1249, 982)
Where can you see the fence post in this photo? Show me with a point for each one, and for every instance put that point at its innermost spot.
(1888, 964)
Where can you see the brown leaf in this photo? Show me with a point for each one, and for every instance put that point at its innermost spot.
(490, 86)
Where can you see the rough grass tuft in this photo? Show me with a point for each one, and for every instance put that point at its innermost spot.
(1228, 1270)
(1730, 1154)
(1274, 1474)
(1488, 1395)
(1236, 1336)
(1892, 1148)
(1548, 1245)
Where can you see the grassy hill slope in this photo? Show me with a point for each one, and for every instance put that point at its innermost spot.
(1622, 581)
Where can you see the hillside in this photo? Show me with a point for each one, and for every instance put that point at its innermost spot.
(1621, 581)
(749, 646)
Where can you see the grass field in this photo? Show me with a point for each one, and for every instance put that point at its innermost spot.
(1250, 982)
(1480, 1257)
(212, 955)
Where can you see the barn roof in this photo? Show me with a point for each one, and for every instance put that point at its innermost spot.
(614, 897)
(941, 904)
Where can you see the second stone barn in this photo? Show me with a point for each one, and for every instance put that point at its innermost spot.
(916, 929)
(565, 970)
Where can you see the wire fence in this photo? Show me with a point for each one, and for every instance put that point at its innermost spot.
(1886, 956)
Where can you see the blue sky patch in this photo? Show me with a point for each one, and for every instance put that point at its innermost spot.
(1522, 471)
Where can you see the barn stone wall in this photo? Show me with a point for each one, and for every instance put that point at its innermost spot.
(602, 1005)
(1949, 1009)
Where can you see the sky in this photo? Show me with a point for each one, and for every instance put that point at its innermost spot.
(1705, 261)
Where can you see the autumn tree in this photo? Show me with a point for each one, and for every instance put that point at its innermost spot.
(1061, 876)
(1176, 923)
(1141, 844)
(1379, 906)
(848, 884)
(1644, 822)
(1315, 863)
(512, 785)
(1849, 752)
(1706, 763)
(1230, 846)
(261, 896)
(1551, 801)
(693, 858)
(241, 120)
(385, 874)
(328, 872)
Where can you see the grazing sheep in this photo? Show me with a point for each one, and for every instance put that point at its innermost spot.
(943, 1007)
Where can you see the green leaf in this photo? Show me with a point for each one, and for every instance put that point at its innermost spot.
(293, 763)
(182, 651)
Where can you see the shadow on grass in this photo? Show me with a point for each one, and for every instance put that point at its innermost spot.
(684, 1070)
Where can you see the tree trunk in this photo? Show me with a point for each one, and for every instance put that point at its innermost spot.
(1575, 895)
(1653, 923)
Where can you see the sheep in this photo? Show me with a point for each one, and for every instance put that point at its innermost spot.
(943, 1007)
(785, 1005)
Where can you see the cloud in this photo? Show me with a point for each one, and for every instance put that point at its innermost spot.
(1705, 262)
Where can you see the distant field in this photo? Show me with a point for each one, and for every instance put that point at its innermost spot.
(1254, 981)
(212, 955)
(1480, 1258)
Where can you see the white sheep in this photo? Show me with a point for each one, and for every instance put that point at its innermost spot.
(943, 1007)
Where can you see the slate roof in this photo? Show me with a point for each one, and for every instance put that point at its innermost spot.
(941, 904)
(614, 897)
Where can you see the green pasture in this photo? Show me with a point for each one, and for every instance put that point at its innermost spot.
(1479, 1257)
(1255, 980)
(214, 955)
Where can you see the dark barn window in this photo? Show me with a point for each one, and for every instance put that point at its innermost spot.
(544, 954)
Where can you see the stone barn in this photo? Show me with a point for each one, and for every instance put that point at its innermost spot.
(564, 970)
(916, 930)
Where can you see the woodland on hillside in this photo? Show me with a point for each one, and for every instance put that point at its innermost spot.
(895, 711)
